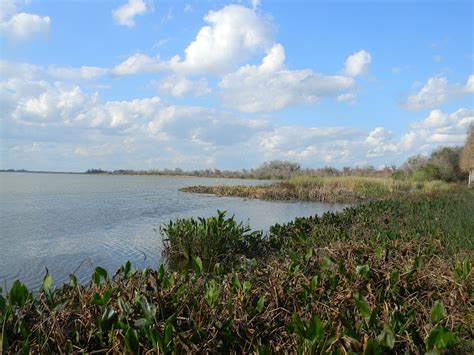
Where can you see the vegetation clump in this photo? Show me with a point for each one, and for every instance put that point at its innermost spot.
(383, 277)
(326, 189)
(215, 240)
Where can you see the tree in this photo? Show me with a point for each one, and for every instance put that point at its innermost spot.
(277, 169)
(414, 163)
(446, 161)
(467, 156)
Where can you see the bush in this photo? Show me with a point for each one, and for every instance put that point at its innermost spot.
(215, 239)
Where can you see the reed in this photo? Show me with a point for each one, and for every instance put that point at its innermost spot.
(327, 189)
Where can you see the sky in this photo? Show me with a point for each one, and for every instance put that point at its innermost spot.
(151, 84)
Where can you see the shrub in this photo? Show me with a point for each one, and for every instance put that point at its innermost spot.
(215, 239)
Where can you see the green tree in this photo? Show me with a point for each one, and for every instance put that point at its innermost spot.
(446, 161)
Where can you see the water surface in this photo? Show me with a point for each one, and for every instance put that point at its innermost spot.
(72, 222)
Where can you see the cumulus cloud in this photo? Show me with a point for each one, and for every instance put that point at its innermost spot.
(81, 73)
(348, 146)
(125, 14)
(21, 25)
(358, 63)
(140, 64)
(9, 69)
(179, 86)
(151, 133)
(42, 104)
(271, 87)
(441, 127)
(234, 34)
(436, 92)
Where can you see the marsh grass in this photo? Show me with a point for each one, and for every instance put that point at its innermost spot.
(327, 189)
(383, 277)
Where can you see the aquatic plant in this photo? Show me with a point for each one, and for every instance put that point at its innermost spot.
(383, 277)
(215, 239)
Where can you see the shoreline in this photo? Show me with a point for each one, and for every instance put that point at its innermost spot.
(362, 260)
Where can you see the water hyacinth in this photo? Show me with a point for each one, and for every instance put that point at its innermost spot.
(383, 277)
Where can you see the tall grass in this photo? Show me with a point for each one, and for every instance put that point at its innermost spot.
(366, 186)
(327, 189)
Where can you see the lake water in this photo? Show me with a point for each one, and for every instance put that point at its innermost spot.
(71, 223)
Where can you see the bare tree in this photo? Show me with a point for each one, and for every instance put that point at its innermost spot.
(467, 156)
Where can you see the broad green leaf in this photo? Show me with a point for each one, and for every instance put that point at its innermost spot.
(363, 270)
(198, 263)
(260, 304)
(437, 311)
(246, 287)
(315, 331)
(362, 305)
(18, 294)
(236, 283)
(440, 338)
(387, 337)
(47, 282)
(372, 348)
(131, 341)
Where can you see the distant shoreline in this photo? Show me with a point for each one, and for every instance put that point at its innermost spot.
(124, 174)
(39, 172)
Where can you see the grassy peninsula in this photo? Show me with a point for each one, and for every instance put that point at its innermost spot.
(326, 189)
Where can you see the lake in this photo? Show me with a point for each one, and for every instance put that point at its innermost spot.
(71, 223)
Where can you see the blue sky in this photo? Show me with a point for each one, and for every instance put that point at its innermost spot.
(143, 84)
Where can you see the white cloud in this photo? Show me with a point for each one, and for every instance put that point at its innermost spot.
(255, 3)
(436, 92)
(358, 63)
(41, 104)
(271, 87)
(139, 64)
(470, 83)
(449, 126)
(204, 126)
(53, 103)
(188, 8)
(179, 86)
(7, 9)
(348, 97)
(234, 34)
(378, 136)
(347, 146)
(436, 118)
(81, 73)
(125, 14)
(150, 133)
(96, 150)
(9, 69)
(21, 25)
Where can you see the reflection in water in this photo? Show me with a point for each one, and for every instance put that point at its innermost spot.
(73, 223)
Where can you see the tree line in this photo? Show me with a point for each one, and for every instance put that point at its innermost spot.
(451, 164)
